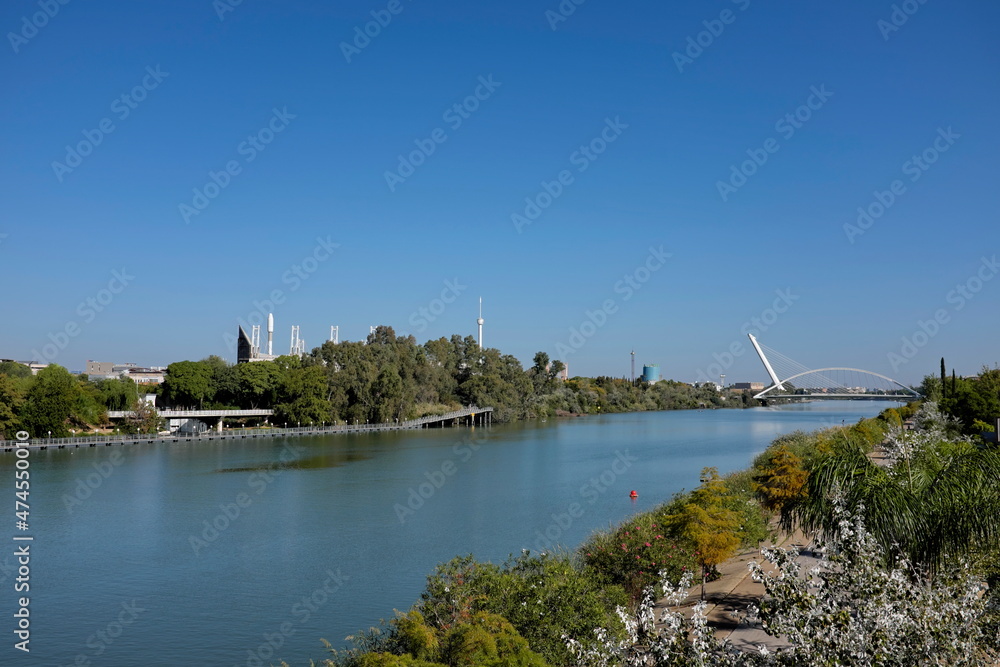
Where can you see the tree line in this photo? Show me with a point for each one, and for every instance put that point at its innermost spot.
(382, 379)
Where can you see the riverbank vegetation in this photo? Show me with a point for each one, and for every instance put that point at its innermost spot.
(383, 379)
(905, 510)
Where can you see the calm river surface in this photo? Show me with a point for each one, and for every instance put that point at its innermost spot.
(346, 532)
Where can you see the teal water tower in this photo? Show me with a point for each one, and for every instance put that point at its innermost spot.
(651, 374)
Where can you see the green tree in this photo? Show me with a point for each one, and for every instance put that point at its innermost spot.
(782, 483)
(944, 379)
(117, 393)
(188, 384)
(257, 384)
(708, 524)
(919, 506)
(14, 369)
(143, 418)
(50, 402)
(302, 397)
(224, 380)
(11, 401)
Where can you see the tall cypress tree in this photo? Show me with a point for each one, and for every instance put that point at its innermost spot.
(954, 383)
(944, 377)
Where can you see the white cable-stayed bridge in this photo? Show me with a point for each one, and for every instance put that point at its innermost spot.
(792, 380)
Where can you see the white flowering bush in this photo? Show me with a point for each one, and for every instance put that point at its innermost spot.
(664, 639)
(852, 610)
(848, 610)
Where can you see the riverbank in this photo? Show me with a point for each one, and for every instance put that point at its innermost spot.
(715, 528)
(330, 503)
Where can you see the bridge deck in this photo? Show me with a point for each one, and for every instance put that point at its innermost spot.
(244, 433)
(174, 414)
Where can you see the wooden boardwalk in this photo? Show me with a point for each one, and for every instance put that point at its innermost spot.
(472, 415)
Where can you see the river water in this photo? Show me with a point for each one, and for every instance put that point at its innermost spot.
(212, 553)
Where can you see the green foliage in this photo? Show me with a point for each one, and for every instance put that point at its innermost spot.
(13, 369)
(482, 639)
(891, 417)
(634, 554)
(974, 400)
(50, 402)
(542, 597)
(982, 427)
(918, 507)
(301, 397)
(390, 660)
(782, 483)
(707, 522)
(117, 393)
(804, 446)
(188, 384)
(257, 384)
(143, 419)
(88, 407)
(11, 401)
(754, 526)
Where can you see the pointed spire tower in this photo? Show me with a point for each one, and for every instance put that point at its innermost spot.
(480, 323)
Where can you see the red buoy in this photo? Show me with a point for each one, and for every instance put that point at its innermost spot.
(633, 494)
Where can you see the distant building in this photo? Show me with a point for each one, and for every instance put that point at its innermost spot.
(147, 375)
(106, 370)
(752, 386)
(651, 373)
(246, 351)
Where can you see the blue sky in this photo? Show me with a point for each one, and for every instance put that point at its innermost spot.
(267, 91)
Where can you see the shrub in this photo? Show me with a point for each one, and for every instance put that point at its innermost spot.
(633, 555)
(541, 596)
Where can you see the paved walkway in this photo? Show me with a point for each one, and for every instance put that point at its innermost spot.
(729, 596)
